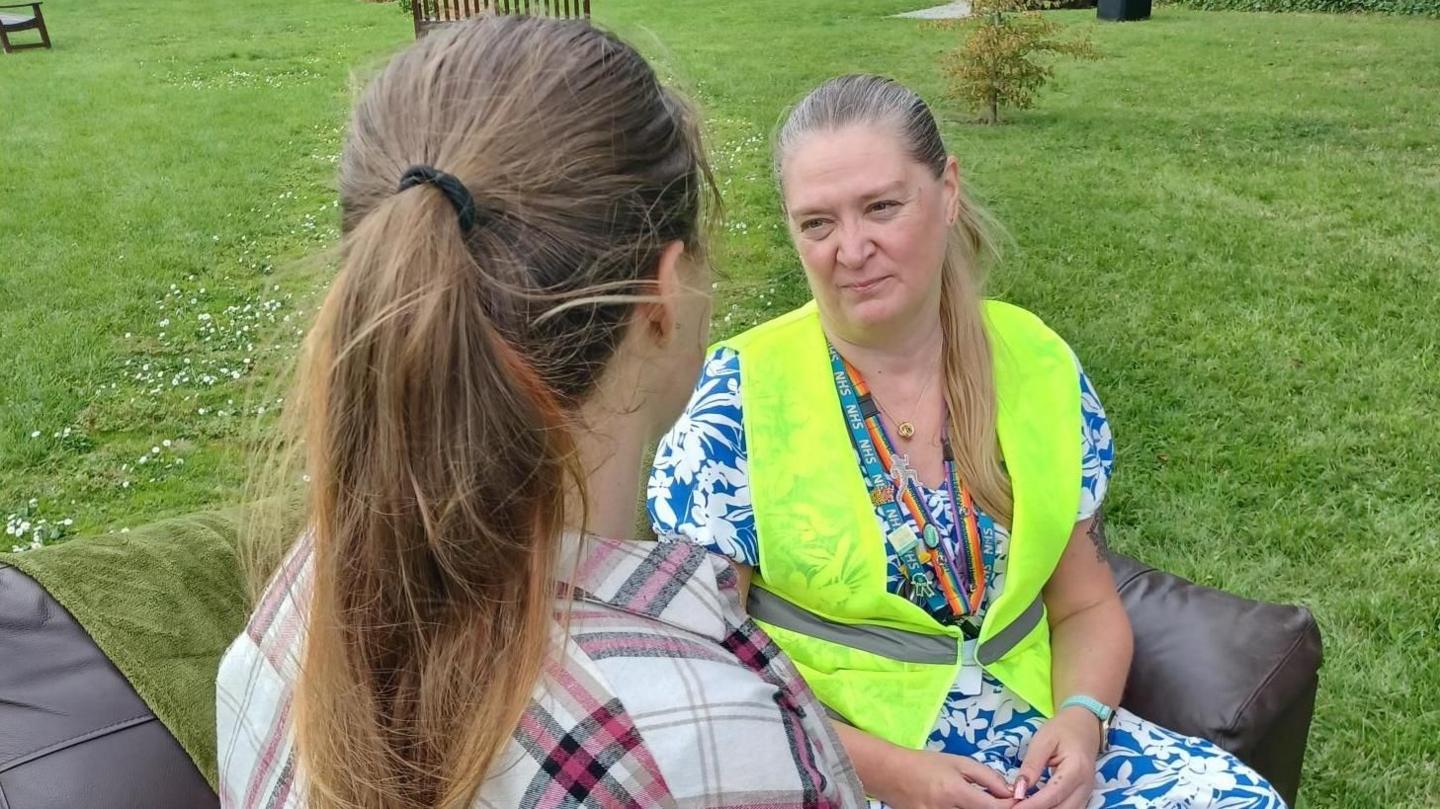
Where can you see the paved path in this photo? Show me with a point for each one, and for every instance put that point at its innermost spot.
(949, 11)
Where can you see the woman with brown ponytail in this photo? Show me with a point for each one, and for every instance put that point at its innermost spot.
(522, 307)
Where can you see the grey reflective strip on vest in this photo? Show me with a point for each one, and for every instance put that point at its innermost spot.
(896, 644)
(1006, 639)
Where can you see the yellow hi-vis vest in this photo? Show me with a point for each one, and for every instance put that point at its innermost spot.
(876, 660)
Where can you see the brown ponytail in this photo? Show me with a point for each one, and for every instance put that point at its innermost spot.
(437, 399)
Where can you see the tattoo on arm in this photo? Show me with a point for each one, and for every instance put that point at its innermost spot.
(1096, 532)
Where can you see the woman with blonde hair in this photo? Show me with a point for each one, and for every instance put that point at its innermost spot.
(521, 308)
(911, 477)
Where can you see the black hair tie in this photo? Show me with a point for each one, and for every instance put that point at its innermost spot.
(449, 185)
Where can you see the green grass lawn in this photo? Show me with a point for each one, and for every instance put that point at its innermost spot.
(1235, 220)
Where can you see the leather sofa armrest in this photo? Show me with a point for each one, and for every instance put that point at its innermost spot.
(72, 730)
(1239, 672)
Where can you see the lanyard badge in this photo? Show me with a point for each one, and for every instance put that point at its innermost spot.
(942, 572)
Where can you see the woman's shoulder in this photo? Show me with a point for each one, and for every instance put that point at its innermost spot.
(721, 362)
(657, 715)
(274, 632)
(1012, 324)
(675, 585)
(659, 636)
(699, 482)
(786, 326)
(254, 690)
(709, 430)
(718, 385)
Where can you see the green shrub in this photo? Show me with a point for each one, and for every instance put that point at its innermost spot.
(1422, 8)
(996, 64)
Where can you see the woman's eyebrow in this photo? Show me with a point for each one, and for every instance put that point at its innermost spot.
(808, 211)
(898, 188)
(894, 189)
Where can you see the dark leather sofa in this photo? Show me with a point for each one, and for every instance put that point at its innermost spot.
(73, 733)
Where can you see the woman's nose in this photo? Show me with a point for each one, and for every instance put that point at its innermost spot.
(854, 246)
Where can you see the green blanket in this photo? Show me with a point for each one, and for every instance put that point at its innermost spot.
(163, 602)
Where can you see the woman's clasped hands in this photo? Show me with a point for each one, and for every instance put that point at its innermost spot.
(1066, 747)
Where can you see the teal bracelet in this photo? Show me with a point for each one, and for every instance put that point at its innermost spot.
(1102, 711)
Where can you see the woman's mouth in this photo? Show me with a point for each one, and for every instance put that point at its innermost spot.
(867, 286)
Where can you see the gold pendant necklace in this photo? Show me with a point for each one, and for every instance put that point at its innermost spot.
(906, 429)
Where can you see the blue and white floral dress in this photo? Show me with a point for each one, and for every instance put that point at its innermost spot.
(699, 492)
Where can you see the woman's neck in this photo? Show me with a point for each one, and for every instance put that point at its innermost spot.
(611, 446)
(898, 353)
(903, 369)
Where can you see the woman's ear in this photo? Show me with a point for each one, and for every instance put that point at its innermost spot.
(659, 316)
(950, 179)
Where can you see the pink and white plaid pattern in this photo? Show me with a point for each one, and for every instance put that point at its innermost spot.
(665, 695)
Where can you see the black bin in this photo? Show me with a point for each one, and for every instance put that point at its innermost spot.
(1123, 10)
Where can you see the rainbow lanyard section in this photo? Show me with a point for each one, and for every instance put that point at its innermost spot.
(959, 572)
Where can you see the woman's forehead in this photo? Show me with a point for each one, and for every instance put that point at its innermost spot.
(827, 167)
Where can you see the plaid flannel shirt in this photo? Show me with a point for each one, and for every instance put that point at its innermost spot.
(664, 695)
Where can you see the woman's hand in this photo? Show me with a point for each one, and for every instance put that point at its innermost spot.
(1068, 745)
(925, 779)
(922, 779)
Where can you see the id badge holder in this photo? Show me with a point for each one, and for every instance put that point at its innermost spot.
(902, 540)
(971, 679)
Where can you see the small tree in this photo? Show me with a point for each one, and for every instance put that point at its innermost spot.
(995, 65)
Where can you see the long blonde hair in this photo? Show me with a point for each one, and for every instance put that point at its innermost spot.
(439, 385)
(967, 365)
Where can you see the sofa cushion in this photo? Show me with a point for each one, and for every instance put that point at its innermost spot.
(1211, 664)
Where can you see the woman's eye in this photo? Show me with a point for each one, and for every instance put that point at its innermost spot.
(810, 225)
(884, 205)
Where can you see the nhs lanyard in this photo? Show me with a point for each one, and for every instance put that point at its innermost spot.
(955, 584)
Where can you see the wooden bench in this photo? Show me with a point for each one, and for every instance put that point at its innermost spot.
(432, 13)
(10, 23)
